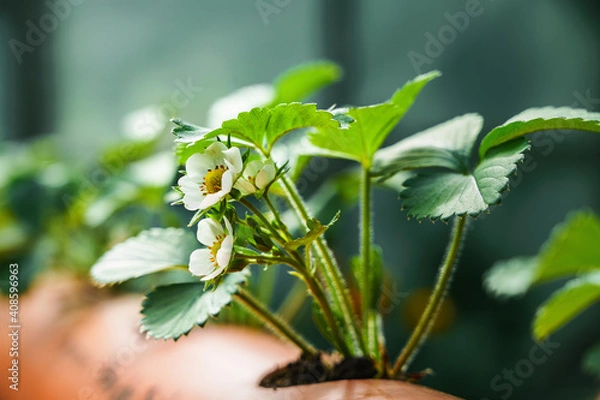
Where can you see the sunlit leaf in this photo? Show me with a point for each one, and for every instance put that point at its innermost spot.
(565, 304)
(362, 138)
(299, 82)
(264, 126)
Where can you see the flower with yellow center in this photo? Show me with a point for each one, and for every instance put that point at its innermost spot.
(210, 176)
(210, 262)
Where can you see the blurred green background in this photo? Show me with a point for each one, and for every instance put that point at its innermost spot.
(105, 59)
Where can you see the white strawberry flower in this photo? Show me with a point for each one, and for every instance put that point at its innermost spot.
(210, 262)
(210, 176)
(256, 176)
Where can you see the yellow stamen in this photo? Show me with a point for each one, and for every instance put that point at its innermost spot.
(212, 180)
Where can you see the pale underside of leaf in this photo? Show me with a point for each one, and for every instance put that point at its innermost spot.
(447, 145)
(572, 249)
(511, 277)
(151, 251)
(540, 119)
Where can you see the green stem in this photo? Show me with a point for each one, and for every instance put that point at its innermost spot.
(314, 288)
(276, 324)
(260, 215)
(435, 300)
(293, 302)
(364, 273)
(338, 293)
(277, 217)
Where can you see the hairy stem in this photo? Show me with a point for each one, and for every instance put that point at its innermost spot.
(276, 324)
(364, 275)
(333, 276)
(435, 300)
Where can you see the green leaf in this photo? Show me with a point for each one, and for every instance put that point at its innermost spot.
(362, 138)
(540, 119)
(151, 251)
(591, 361)
(447, 145)
(172, 311)
(264, 126)
(571, 249)
(188, 133)
(565, 304)
(299, 82)
(315, 229)
(511, 277)
(443, 194)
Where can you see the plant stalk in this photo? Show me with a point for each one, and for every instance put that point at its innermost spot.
(435, 300)
(364, 277)
(276, 324)
(333, 276)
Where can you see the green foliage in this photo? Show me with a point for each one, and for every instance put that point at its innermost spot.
(298, 83)
(315, 229)
(565, 304)
(447, 145)
(264, 126)
(572, 249)
(186, 132)
(173, 310)
(151, 251)
(540, 119)
(454, 188)
(511, 277)
(446, 193)
(362, 138)
(591, 361)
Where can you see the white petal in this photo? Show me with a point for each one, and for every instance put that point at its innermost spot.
(213, 274)
(208, 230)
(187, 184)
(216, 150)
(233, 157)
(200, 264)
(224, 253)
(193, 201)
(265, 176)
(198, 165)
(226, 182)
(228, 226)
(253, 168)
(244, 186)
(211, 199)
